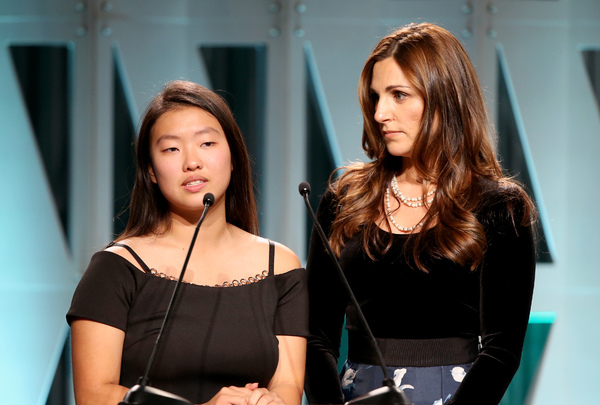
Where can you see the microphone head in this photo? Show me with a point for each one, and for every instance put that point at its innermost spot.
(209, 199)
(304, 188)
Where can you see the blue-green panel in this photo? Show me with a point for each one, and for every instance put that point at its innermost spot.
(538, 330)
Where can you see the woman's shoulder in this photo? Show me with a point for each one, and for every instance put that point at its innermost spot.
(127, 248)
(502, 192)
(285, 258)
(348, 175)
(106, 265)
(105, 259)
(353, 180)
(503, 201)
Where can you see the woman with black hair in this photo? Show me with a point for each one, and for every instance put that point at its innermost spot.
(237, 334)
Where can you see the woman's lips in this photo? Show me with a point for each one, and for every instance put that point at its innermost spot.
(194, 185)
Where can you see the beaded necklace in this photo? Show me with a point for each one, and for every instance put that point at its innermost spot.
(412, 202)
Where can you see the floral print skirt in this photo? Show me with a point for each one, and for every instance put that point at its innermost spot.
(422, 385)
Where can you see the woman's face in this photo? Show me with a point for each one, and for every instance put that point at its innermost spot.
(398, 107)
(190, 157)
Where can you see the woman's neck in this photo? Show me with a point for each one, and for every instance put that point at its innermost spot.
(409, 177)
(213, 229)
(408, 173)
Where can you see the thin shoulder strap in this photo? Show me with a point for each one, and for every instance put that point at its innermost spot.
(271, 258)
(132, 252)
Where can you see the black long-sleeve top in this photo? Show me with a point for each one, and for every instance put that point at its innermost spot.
(404, 304)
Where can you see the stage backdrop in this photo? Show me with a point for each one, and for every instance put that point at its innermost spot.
(75, 76)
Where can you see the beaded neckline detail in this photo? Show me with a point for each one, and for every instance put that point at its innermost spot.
(234, 283)
(243, 281)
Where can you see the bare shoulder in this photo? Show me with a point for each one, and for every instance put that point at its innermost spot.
(285, 258)
(137, 244)
(116, 248)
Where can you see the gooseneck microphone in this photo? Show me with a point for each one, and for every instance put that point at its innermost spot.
(388, 394)
(142, 393)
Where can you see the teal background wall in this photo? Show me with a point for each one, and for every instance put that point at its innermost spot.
(76, 74)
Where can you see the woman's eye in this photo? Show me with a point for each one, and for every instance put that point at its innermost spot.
(172, 149)
(207, 144)
(399, 95)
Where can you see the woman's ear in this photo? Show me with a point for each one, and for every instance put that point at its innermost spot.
(152, 175)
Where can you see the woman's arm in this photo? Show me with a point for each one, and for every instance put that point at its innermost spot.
(96, 351)
(506, 291)
(285, 388)
(327, 306)
(288, 380)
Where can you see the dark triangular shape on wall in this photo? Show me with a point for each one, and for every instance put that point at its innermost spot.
(320, 155)
(320, 160)
(123, 150)
(44, 78)
(512, 154)
(591, 60)
(238, 74)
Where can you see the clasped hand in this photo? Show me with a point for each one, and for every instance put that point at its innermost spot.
(250, 394)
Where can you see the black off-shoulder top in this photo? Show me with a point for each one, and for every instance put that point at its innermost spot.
(215, 337)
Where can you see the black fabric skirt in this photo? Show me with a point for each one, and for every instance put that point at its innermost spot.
(422, 385)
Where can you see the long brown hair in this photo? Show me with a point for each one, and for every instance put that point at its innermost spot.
(148, 209)
(453, 149)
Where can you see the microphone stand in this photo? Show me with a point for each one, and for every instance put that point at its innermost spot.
(142, 393)
(388, 394)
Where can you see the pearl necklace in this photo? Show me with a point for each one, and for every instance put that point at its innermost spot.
(413, 202)
(391, 216)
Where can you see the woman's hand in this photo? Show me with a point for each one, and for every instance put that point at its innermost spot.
(250, 394)
(262, 396)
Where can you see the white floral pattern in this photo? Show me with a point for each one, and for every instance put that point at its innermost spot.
(422, 385)
(458, 373)
(398, 374)
(348, 378)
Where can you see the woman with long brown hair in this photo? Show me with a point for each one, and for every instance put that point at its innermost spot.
(237, 331)
(435, 240)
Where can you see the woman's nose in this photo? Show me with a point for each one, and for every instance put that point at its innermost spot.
(192, 161)
(383, 111)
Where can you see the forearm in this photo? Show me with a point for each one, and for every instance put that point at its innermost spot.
(290, 394)
(105, 394)
(327, 302)
(322, 385)
(507, 281)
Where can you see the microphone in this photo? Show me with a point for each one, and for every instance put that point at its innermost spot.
(142, 393)
(388, 394)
